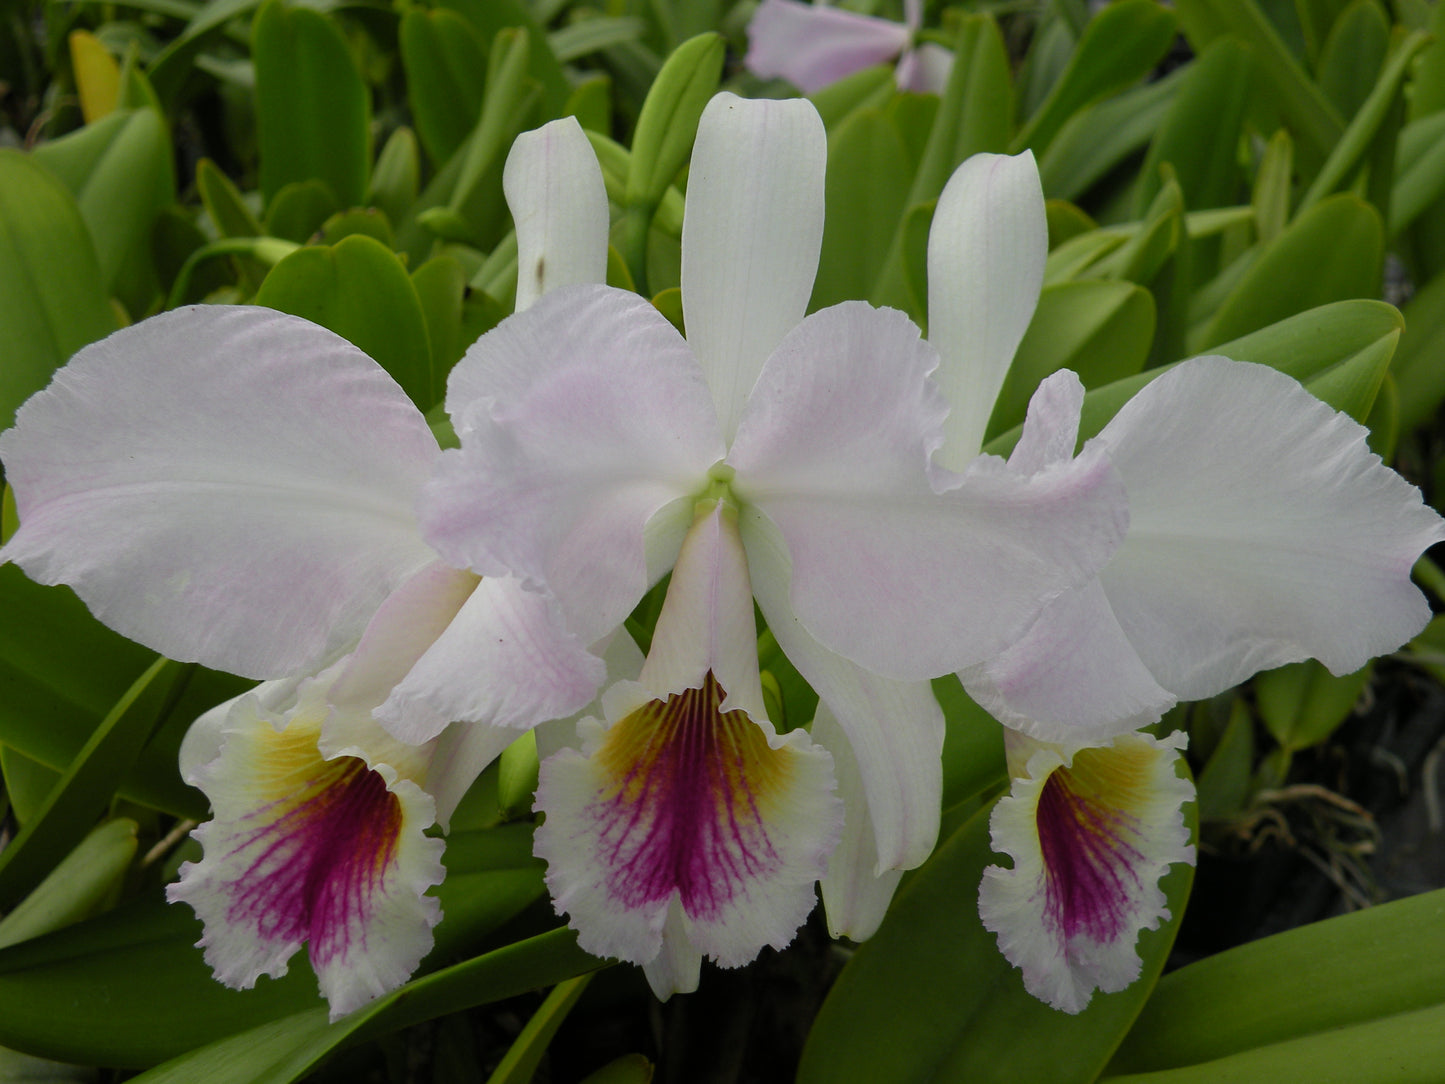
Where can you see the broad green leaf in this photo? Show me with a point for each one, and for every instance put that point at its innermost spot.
(1404, 1049)
(1271, 196)
(1303, 703)
(119, 170)
(1419, 170)
(1417, 371)
(27, 783)
(1373, 965)
(1353, 55)
(930, 998)
(525, 1054)
(870, 88)
(52, 296)
(867, 182)
(441, 286)
(491, 16)
(1340, 352)
(517, 776)
(1330, 253)
(357, 221)
(591, 103)
(1374, 114)
(1316, 17)
(97, 75)
(1101, 329)
(1428, 87)
(168, 71)
(1120, 45)
(446, 72)
(589, 35)
(287, 1049)
(224, 203)
(87, 877)
(397, 176)
(1200, 136)
(313, 112)
(1097, 139)
(1157, 238)
(1224, 783)
(973, 750)
(297, 211)
(360, 290)
(85, 788)
(1316, 122)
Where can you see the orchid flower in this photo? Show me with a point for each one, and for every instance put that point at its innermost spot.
(238, 487)
(766, 456)
(1262, 531)
(812, 45)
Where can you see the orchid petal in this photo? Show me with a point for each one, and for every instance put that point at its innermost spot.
(506, 660)
(1090, 832)
(925, 69)
(812, 46)
(463, 752)
(677, 969)
(986, 252)
(329, 852)
(680, 802)
(886, 572)
(855, 895)
(579, 419)
(894, 728)
(1263, 531)
(227, 485)
(751, 234)
(554, 188)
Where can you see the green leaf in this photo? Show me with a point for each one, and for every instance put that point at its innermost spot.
(287, 1049)
(1271, 196)
(1330, 253)
(867, 182)
(1420, 376)
(85, 879)
(52, 296)
(1120, 45)
(930, 998)
(360, 290)
(1379, 964)
(168, 71)
(973, 749)
(593, 34)
(517, 776)
(313, 112)
(441, 286)
(446, 73)
(525, 1054)
(119, 170)
(490, 17)
(1353, 55)
(27, 783)
(975, 110)
(1097, 139)
(224, 203)
(1101, 329)
(1419, 171)
(1302, 704)
(357, 222)
(395, 180)
(628, 1069)
(85, 788)
(1224, 784)
(1200, 136)
(870, 88)
(298, 210)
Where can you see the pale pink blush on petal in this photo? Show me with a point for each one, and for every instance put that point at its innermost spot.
(812, 45)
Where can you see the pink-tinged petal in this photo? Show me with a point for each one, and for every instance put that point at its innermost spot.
(751, 235)
(303, 849)
(1051, 427)
(579, 419)
(554, 189)
(1090, 832)
(925, 69)
(1263, 531)
(894, 728)
(986, 252)
(812, 45)
(505, 660)
(1073, 677)
(678, 801)
(855, 895)
(887, 572)
(225, 484)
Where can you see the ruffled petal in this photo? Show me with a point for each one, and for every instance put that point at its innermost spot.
(227, 485)
(812, 45)
(887, 572)
(986, 252)
(554, 188)
(303, 849)
(751, 235)
(1263, 531)
(505, 660)
(579, 420)
(1090, 832)
(678, 801)
(855, 895)
(894, 728)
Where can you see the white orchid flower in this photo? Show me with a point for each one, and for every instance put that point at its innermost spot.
(238, 487)
(812, 45)
(1262, 531)
(767, 456)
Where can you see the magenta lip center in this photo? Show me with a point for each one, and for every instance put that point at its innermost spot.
(321, 862)
(683, 814)
(1089, 861)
